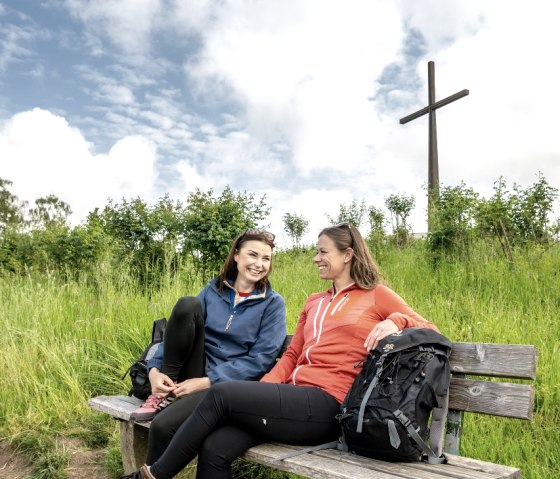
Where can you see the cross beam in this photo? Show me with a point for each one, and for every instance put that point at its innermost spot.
(433, 166)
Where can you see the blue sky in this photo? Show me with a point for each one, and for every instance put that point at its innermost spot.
(296, 99)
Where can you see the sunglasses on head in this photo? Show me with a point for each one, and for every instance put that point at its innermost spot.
(254, 231)
(348, 226)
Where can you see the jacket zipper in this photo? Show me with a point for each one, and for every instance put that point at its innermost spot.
(228, 324)
(340, 304)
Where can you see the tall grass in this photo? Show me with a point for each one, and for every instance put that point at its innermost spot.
(65, 341)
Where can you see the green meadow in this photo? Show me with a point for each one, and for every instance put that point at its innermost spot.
(64, 341)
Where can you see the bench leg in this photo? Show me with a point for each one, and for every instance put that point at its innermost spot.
(452, 443)
(134, 446)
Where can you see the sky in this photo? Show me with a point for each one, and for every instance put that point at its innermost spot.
(298, 100)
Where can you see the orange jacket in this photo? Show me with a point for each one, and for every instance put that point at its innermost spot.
(330, 335)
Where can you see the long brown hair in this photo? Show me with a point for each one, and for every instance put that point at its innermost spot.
(229, 268)
(363, 270)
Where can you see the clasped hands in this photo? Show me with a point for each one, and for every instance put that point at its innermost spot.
(162, 384)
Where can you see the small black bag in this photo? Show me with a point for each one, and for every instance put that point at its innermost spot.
(404, 381)
(138, 370)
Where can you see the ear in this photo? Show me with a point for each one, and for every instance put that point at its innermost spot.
(348, 255)
(236, 255)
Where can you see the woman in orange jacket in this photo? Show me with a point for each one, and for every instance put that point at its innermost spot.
(296, 402)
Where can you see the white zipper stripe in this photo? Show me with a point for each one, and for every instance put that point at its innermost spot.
(340, 303)
(321, 324)
(317, 314)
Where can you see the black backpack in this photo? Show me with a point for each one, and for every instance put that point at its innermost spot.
(386, 413)
(138, 370)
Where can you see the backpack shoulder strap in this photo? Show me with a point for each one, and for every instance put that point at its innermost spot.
(437, 426)
(326, 445)
(374, 381)
(432, 458)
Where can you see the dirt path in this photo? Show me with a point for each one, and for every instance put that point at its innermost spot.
(83, 462)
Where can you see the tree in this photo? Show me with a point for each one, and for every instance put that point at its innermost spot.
(352, 213)
(453, 219)
(531, 210)
(493, 216)
(148, 236)
(377, 221)
(49, 212)
(295, 226)
(10, 209)
(211, 224)
(400, 207)
(519, 217)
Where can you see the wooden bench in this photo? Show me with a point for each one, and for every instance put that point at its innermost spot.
(473, 395)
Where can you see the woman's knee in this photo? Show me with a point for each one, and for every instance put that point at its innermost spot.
(220, 449)
(163, 427)
(214, 456)
(187, 305)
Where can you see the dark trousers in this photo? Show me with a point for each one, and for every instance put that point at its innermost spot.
(236, 415)
(183, 358)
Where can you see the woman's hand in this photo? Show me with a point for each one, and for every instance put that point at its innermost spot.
(191, 385)
(161, 383)
(382, 329)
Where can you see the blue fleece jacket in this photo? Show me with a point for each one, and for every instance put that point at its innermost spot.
(241, 341)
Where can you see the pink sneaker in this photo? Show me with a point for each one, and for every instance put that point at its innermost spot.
(152, 405)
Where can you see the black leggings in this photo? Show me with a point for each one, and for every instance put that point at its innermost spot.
(236, 415)
(183, 358)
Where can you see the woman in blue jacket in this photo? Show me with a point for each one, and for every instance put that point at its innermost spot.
(233, 329)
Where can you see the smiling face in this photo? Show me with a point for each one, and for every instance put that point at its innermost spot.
(333, 264)
(253, 260)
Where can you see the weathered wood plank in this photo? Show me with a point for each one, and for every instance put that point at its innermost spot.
(486, 359)
(489, 467)
(120, 407)
(411, 470)
(496, 399)
(496, 360)
(312, 465)
(318, 463)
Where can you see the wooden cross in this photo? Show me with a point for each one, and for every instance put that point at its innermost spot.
(433, 167)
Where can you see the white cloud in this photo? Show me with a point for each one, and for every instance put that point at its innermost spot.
(303, 72)
(13, 44)
(42, 154)
(278, 91)
(128, 23)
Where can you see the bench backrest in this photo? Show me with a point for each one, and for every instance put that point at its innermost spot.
(509, 361)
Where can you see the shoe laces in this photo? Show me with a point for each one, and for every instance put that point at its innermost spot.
(154, 401)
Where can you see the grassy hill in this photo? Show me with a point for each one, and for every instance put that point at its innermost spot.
(67, 340)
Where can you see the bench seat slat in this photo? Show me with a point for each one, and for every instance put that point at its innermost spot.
(418, 470)
(120, 407)
(350, 466)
